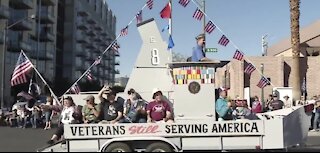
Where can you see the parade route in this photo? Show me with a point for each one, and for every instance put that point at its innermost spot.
(29, 140)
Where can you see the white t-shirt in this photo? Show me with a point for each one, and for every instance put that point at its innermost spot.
(66, 115)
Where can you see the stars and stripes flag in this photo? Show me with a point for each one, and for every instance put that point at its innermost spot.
(150, 4)
(198, 14)
(22, 68)
(115, 47)
(139, 17)
(75, 89)
(97, 61)
(238, 55)
(124, 31)
(263, 82)
(224, 41)
(210, 27)
(184, 3)
(89, 75)
(25, 95)
(249, 69)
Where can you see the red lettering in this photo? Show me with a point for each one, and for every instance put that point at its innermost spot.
(144, 129)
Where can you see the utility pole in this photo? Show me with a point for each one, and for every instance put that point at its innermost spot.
(204, 20)
(4, 62)
(262, 89)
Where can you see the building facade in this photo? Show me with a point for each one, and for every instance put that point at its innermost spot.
(30, 26)
(86, 28)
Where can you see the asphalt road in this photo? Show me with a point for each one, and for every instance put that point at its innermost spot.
(29, 140)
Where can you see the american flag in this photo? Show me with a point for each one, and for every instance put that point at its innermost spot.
(198, 14)
(210, 27)
(139, 17)
(150, 4)
(223, 41)
(22, 67)
(25, 95)
(97, 61)
(263, 82)
(115, 46)
(184, 3)
(75, 89)
(124, 31)
(89, 75)
(249, 69)
(238, 55)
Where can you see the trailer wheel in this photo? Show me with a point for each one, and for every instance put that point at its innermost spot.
(118, 147)
(159, 147)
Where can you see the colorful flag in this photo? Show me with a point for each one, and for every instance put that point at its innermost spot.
(150, 4)
(89, 75)
(210, 27)
(167, 27)
(170, 44)
(166, 11)
(139, 17)
(263, 82)
(223, 41)
(184, 3)
(22, 68)
(124, 31)
(97, 61)
(249, 69)
(75, 89)
(198, 14)
(238, 55)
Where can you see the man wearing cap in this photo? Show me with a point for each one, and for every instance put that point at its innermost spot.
(110, 109)
(158, 110)
(276, 104)
(90, 111)
(223, 107)
(198, 54)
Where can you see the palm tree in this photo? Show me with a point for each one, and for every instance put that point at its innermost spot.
(295, 42)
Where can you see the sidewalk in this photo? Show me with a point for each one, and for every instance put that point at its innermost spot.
(313, 134)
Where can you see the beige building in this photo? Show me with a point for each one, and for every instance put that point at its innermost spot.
(277, 66)
(32, 27)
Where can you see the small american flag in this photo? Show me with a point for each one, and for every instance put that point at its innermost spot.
(184, 3)
(89, 75)
(224, 41)
(139, 17)
(238, 55)
(115, 46)
(210, 27)
(198, 14)
(263, 82)
(124, 31)
(150, 4)
(249, 69)
(75, 89)
(97, 61)
(25, 95)
(22, 68)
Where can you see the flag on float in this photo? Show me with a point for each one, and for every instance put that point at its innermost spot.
(124, 31)
(89, 75)
(210, 27)
(170, 44)
(198, 14)
(249, 69)
(139, 17)
(224, 41)
(150, 4)
(184, 3)
(166, 11)
(238, 55)
(75, 89)
(20, 71)
(263, 82)
(167, 27)
(97, 61)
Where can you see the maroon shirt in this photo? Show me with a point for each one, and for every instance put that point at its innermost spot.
(158, 110)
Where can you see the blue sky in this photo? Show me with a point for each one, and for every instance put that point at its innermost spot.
(242, 21)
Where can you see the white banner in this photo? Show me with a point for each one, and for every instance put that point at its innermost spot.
(224, 128)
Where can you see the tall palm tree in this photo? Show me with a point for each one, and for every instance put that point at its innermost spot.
(295, 42)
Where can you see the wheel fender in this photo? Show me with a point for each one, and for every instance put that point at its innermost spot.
(106, 144)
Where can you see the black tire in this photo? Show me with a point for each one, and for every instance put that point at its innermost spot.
(159, 147)
(118, 147)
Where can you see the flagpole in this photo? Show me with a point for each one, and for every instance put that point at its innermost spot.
(44, 81)
(170, 28)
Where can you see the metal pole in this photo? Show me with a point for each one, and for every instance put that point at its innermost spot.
(262, 89)
(204, 21)
(4, 62)
(264, 45)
